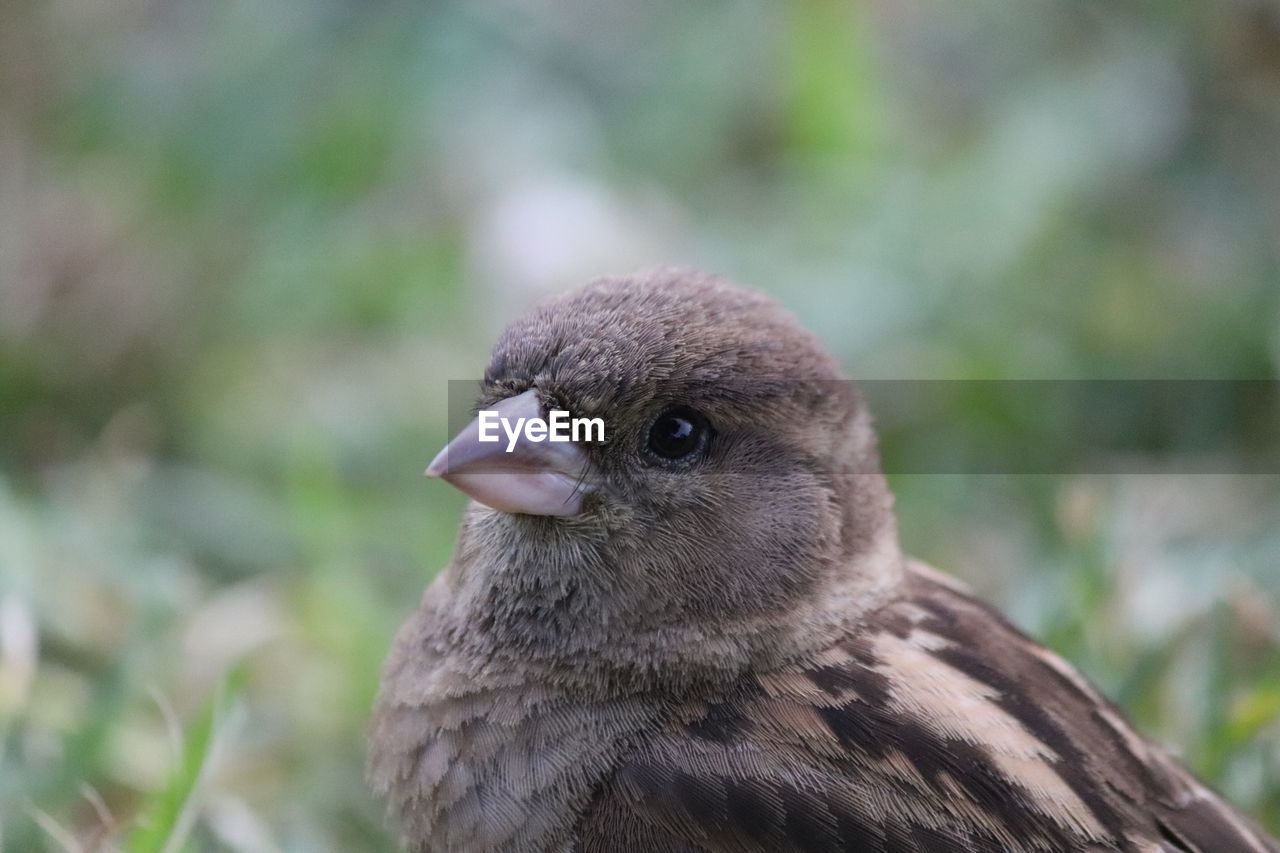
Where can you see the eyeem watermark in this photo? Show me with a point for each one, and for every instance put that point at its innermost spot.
(1009, 426)
(558, 426)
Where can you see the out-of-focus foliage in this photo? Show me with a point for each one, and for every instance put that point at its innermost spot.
(243, 246)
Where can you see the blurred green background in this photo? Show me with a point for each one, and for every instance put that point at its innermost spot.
(244, 245)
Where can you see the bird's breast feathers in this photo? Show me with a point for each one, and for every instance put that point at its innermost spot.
(933, 726)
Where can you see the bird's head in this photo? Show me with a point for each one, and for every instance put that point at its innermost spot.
(737, 468)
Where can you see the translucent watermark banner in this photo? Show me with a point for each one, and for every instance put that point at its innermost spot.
(1208, 426)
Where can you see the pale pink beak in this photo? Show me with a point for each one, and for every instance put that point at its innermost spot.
(534, 478)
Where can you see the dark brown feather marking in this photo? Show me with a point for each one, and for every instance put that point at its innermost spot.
(759, 815)
(873, 732)
(1071, 765)
(835, 680)
(722, 723)
(1196, 826)
(1172, 839)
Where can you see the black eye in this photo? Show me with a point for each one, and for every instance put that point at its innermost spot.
(678, 433)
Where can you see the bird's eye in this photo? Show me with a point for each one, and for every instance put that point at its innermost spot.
(678, 433)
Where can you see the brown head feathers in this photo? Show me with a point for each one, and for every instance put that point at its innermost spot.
(732, 544)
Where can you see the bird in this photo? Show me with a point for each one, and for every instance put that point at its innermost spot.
(700, 634)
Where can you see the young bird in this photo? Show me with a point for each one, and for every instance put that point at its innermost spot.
(701, 635)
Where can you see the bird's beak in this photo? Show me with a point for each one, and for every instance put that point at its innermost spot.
(534, 478)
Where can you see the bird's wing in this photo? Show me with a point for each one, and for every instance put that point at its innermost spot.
(936, 726)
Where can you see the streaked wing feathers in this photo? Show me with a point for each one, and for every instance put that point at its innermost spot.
(935, 727)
